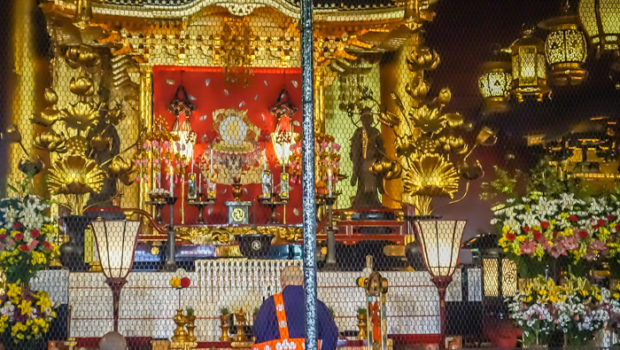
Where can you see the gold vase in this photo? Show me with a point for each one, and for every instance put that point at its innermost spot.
(180, 335)
(190, 328)
(241, 321)
(225, 325)
(361, 324)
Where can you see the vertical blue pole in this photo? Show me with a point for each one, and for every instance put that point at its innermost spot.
(308, 184)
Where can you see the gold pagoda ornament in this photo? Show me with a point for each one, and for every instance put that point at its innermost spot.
(566, 49)
(529, 70)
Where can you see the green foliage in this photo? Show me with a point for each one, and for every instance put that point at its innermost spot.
(190, 311)
(504, 185)
(361, 311)
(224, 311)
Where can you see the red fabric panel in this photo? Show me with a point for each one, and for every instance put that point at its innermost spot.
(207, 86)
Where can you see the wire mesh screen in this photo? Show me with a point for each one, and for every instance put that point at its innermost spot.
(166, 135)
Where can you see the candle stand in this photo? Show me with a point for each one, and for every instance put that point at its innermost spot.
(330, 262)
(171, 264)
(201, 204)
(273, 203)
(158, 201)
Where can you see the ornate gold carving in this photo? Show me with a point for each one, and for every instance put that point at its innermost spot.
(226, 234)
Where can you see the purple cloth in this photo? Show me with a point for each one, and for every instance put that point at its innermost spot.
(266, 324)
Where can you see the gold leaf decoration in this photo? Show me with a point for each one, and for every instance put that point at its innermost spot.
(50, 141)
(81, 116)
(429, 120)
(77, 145)
(82, 86)
(431, 175)
(75, 175)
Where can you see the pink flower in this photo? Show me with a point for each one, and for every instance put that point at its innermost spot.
(166, 144)
(570, 243)
(155, 143)
(528, 247)
(557, 250)
(336, 147)
(32, 245)
(598, 245)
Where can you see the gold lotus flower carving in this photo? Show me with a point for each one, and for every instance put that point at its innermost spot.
(429, 120)
(82, 86)
(432, 176)
(121, 168)
(81, 116)
(50, 141)
(76, 145)
(75, 175)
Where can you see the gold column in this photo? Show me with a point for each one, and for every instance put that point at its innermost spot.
(23, 105)
(146, 123)
(319, 99)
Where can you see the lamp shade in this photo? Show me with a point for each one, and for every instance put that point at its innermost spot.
(565, 49)
(529, 70)
(601, 21)
(495, 81)
(116, 241)
(440, 241)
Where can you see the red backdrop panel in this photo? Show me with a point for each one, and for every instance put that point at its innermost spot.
(209, 92)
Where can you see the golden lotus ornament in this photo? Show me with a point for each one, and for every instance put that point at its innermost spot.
(121, 169)
(50, 141)
(76, 145)
(81, 116)
(82, 86)
(75, 175)
(100, 143)
(432, 176)
(82, 55)
(429, 120)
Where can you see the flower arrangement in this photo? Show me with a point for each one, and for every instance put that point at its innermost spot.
(529, 308)
(577, 230)
(179, 282)
(25, 237)
(25, 315)
(576, 308)
(327, 157)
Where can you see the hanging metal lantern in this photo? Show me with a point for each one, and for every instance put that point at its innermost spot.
(601, 21)
(529, 71)
(565, 48)
(495, 82)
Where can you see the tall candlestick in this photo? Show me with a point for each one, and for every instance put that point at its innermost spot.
(159, 176)
(211, 160)
(329, 181)
(264, 159)
(199, 180)
(171, 181)
(192, 168)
